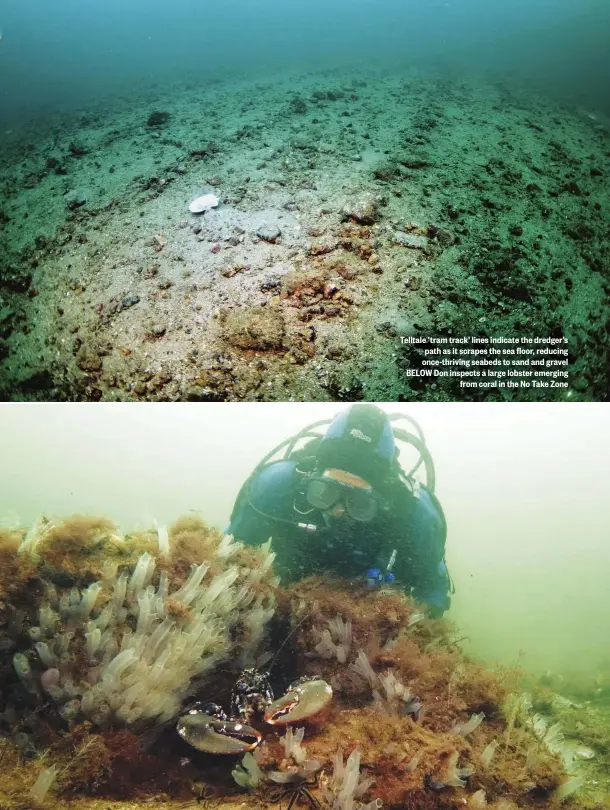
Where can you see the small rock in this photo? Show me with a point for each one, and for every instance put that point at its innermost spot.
(410, 240)
(16, 280)
(364, 210)
(77, 149)
(269, 232)
(298, 106)
(572, 188)
(229, 272)
(414, 163)
(88, 360)
(255, 328)
(324, 245)
(157, 119)
(129, 301)
(76, 199)
(387, 329)
(271, 284)
(441, 236)
(157, 330)
(202, 204)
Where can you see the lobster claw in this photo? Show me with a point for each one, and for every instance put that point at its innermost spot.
(303, 701)
(216, 735)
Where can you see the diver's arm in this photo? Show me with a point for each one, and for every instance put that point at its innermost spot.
(434, 591)
(431, 583)
(264, 504)
(246, 525)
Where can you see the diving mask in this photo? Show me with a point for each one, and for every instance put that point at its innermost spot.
(334, 488)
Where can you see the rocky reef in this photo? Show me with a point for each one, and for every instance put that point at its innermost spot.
(146, 668)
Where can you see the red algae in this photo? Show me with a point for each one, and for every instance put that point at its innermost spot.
(404, 728)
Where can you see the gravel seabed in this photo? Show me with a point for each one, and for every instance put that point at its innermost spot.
(408, 203)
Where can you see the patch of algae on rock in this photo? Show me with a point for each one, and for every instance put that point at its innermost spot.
(431, 729)
(104, 637)
(255, 328)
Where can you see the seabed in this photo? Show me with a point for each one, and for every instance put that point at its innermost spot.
(416, 722)
(357, 206)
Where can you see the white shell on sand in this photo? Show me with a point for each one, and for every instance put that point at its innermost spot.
(204, 203)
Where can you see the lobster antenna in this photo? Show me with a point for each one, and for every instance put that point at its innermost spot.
(283, 644)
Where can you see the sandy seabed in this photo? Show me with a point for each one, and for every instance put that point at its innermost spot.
(356, 208)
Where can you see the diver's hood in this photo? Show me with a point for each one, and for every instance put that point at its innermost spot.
(360, 441)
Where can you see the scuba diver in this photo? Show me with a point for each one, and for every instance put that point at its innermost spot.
(341, 504)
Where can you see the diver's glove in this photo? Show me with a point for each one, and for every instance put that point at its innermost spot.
(375, 578)
(436, 611)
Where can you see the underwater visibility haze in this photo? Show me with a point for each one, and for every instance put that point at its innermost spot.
(125, 612)
(269, 207)
(241, 200)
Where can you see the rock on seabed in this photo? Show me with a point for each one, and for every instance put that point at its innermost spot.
(203, 204)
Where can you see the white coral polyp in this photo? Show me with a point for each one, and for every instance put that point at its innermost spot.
(145, 673)
(346, 786)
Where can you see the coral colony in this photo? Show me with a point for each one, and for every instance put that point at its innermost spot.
(171, 662)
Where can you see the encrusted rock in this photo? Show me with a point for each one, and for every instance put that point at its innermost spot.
(301, 342)
(269, 232)
(88, 360)
(254, 328)
(324, 245)
(363, 209)
(304, 283)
